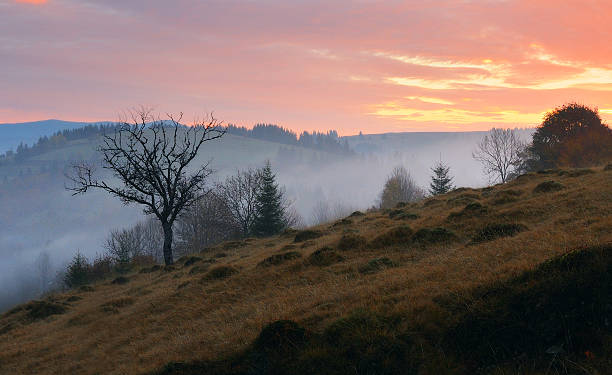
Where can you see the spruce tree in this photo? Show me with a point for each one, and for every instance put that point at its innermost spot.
(441, 182)
(270, 212)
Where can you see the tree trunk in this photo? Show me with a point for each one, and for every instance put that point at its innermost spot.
(168, 259)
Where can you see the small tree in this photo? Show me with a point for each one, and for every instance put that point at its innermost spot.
(270, 211)
(150, 157)
(441, 182)
(125, 244)
(500, 153)
(206, 223)
(77, 272)
(399, 187)
(240, 195)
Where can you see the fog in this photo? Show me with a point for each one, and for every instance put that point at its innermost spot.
(38, 216)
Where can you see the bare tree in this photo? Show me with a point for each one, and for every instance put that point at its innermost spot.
(239, 193)
(149, 157)
(125, 244)
(206, 223)
(400, 187)
(499, 152)
(152, 237)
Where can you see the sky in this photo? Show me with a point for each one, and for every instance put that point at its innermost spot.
(361, 65)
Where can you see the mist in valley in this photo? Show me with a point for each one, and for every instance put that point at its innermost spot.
(42, 225)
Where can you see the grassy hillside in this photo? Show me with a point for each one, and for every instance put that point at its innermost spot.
(508, 279)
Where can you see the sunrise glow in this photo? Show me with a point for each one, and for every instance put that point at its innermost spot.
(297, 66)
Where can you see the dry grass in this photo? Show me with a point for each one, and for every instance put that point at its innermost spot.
(176, 314)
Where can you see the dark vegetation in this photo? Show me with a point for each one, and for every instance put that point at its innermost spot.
(494, 231)
(547, 319)
(547, 187)
(305, 235)
(329, 141)
(324, 256)
(572, 135)
(429, 236)
(376, 265)
(393, 237)
(220, 272)
(57, 141)
(351, 241)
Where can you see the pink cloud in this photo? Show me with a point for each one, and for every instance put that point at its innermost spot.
(307, 65)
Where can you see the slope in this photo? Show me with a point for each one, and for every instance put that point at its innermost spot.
(387, 286)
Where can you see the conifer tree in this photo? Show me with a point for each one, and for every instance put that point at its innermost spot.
(441, 182)
(270, 211)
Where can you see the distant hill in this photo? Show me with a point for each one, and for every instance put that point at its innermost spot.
(514, 278)
(11, 135)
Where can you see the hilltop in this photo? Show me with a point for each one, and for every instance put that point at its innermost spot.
(509, 278)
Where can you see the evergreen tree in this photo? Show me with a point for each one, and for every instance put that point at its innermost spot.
(77, 272)
(441, 182)
(269, 208)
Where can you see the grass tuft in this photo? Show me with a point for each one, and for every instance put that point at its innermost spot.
(430, 236)
(547, 187)
(325, 256)
(351, 241)
(494, 231)
(305, 235)
(393, 237)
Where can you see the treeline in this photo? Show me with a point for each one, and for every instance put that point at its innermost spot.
(329, 141)
(55, 141)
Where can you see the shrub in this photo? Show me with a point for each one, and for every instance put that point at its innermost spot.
(547, 187)
(325, 256)
(427, 236)
(37, 310)
(493, 231)
(220, 272)
(356, 213)
(376, 265)
(101, 267)
(351, 241)
(305, 235)
(277, 259)
(395, 236)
